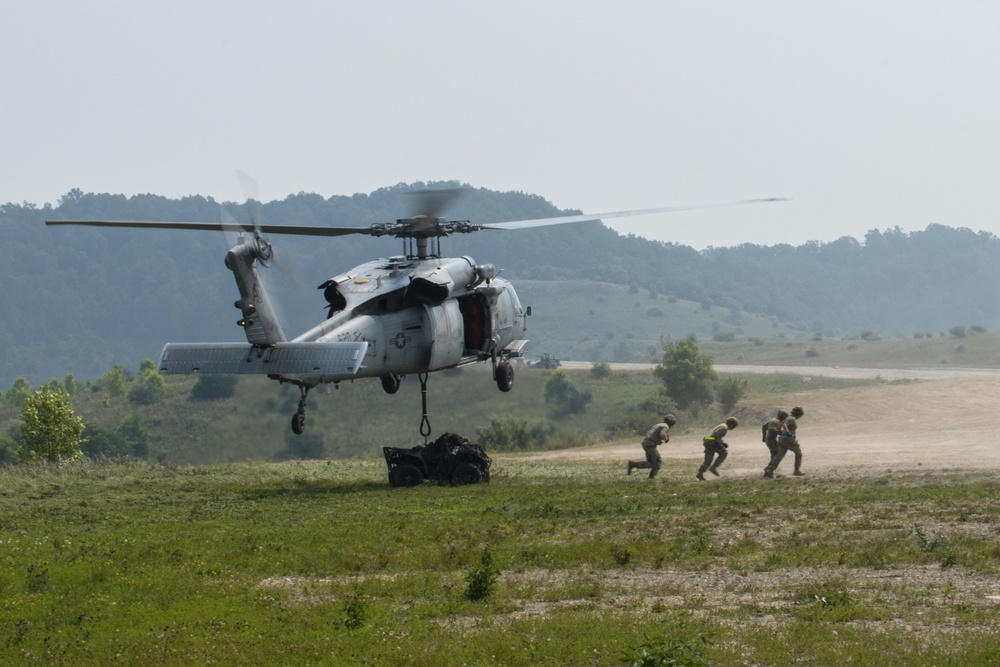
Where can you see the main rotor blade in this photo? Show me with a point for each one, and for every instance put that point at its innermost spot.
(252, 193)
(297, 230)
(433, 202)
(565, 219)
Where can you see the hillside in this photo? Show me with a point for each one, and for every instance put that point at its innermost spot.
(80, 299)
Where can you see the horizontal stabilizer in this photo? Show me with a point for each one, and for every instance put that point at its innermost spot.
(328, 359)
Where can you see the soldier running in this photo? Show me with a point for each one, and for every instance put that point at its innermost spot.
(769, 432)
(716, 448)
(787, 440)
(660, 433)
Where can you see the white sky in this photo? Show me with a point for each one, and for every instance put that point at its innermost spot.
(866, 113)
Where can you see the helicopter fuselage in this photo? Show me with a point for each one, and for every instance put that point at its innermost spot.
(419, 315)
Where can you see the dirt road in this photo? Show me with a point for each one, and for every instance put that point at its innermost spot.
(943, 422)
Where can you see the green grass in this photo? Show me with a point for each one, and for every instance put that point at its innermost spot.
(324, 563)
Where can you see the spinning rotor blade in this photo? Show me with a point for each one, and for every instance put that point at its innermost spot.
(252, 193)
(298, 230)
(564, 219)
(433, 202)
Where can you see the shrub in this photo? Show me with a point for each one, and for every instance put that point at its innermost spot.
(113, 382)
(677, 647)
(563, 397)
(482, 578)
(687, 373)
(213, 387)
(600, 369)
(508, 434)
(49, 430)
(729, 392)
(150, 388)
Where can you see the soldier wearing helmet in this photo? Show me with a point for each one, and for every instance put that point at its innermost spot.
(787, 441)
(769, 432)
(660, 433)
(715, 448)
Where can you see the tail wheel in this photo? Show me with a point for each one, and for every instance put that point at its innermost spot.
(390, 383)
(505, 376)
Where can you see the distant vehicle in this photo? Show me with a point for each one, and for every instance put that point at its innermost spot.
(450, 458)
(545, 361)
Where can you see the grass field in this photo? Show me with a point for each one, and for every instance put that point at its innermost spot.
(324, 563)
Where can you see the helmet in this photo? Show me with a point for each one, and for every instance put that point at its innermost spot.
(797, 412)
(670, 419)
(782, 413)
(732, 422)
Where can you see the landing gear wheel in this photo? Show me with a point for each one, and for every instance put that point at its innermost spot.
(505, 376)
(299, 423)
(466, 473)
(390, 383)
(407, 475)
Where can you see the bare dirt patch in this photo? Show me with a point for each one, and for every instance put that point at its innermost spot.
(908, 424)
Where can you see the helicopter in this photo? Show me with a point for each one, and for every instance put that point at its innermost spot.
(413, 313)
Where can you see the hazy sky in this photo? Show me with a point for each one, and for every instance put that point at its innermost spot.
(867, 114)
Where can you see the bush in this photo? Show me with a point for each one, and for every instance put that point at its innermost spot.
(687, 373)
(113, 382)
(729, 392)
(676, 648)
(150, 388)
(600, 369)
(509, 434)
(562, 396)
(49, 430)
(213, 387)
(482, 578)
(19, 392)
(103, 443)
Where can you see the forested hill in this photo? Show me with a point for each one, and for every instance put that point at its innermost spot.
(79, 299)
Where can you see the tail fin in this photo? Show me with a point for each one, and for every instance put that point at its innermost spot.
(259, 321)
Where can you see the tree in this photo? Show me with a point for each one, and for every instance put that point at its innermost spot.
(49, 429)
(19, 392)
(113, 381)
(687, 373)
(213, 387)
(563, 397)
(729, 392)
(149, 388)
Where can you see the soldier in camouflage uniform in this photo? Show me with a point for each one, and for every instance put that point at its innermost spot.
(788, 441)
(769, 432)
(716, 448)
(660, 433)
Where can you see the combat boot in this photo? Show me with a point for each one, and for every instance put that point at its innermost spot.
(714, 471)
(630, 466)
(799, 473)
(700, 476)
(768, 474)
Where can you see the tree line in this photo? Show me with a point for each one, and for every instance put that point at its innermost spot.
(83, 299)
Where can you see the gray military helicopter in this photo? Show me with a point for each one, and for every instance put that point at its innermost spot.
(413, 313)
